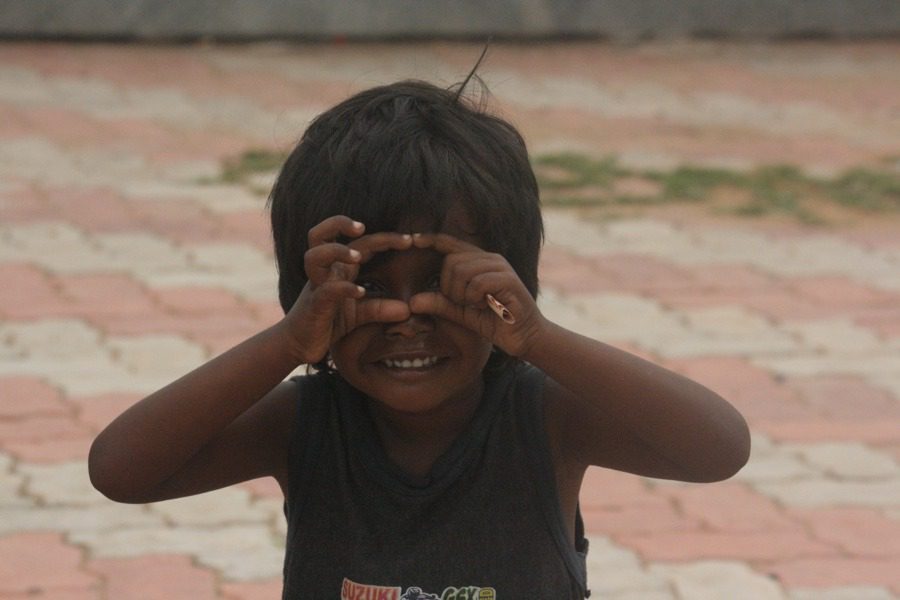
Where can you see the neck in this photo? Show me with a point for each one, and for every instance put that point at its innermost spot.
(415, 440)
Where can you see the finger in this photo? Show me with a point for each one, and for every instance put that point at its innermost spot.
(443, 243)
(459, 269)
(318, 262)
(384, 241)
(327, 298)
(438, 305)
(381, 310)
(331, 228)
(483, 284)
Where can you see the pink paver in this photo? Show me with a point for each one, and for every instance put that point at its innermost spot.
(846, 398)
(754, 391)
(572, 274)
(261, 590)
(193, 299)
(95, 412)
(837, 571)
(840, 292)
(730, 507)
(702, 545)
(154, 577)
(101, 294)
(859, 531)
(41, 562)
(29, 396)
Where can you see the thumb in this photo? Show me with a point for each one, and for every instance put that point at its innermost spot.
(381, 310)
(438, 305)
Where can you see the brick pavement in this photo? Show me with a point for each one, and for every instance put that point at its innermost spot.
(125, 262)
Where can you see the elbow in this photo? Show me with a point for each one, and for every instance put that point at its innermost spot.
(729, 456)
(108, 475)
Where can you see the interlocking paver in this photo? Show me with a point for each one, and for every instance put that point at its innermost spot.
(41, 561)
(126, 259)
(157, 577)
(719, 579)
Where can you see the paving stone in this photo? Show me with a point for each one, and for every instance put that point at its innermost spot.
(27, 396)
(61, 484)
(846, 397)
(849, 461)
(834, 336)
(67, 519)
(229, 258)
(822, 492)
(122, 214)
(614, 571)
(860, 532)
(838, 571)
(228, 505)
(742, 546)
(240, 552)
(730, 507)
(12, 485)
(156, 354)
(871, 365)
(30, 561)
(160, 577)
(713, 580)
(139, 253)
(841, 593)
(58, 338)
(252, 590)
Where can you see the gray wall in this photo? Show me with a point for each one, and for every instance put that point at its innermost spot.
(616, 19)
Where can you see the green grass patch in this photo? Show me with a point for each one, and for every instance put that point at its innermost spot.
(251, 162)
(571, 179)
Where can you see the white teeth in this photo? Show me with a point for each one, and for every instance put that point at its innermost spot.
(416, 363)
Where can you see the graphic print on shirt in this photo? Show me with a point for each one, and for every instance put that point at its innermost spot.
(350, 590)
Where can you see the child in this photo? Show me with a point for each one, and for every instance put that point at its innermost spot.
(439, 448)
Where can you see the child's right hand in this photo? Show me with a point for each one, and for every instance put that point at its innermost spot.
(331, 304)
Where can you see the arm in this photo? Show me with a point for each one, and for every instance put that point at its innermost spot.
(620, 411)
(605, 407)
(230, 419)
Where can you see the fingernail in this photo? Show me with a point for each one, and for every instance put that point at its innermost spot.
(357, 225)
(361, 290)
(355, 254)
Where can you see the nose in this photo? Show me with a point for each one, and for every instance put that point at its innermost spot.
(413, 326)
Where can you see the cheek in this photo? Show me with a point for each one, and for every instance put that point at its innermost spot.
(346, 351)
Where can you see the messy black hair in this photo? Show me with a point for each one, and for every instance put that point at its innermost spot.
(405, 152)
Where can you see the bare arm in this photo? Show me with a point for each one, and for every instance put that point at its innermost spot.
(606, 407)
(152, 451)
(620, 411)
(230, 419)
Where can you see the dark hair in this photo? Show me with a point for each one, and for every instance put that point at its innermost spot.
(402, 152)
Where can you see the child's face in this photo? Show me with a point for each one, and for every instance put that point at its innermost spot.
(418, 365)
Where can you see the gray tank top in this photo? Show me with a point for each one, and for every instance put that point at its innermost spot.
(485, 524)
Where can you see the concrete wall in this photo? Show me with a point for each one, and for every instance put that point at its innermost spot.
(316, 19)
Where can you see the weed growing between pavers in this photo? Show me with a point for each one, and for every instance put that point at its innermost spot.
(570, 179)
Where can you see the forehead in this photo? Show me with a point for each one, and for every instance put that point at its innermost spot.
(456, 222)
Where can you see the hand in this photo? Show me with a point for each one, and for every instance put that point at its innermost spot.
(331, 304)
(467, 276)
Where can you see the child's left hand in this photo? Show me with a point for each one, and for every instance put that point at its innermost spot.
(468, 274)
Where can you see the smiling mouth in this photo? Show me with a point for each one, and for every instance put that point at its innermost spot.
(415, 363)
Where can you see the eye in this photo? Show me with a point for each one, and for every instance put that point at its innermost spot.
(373, 288)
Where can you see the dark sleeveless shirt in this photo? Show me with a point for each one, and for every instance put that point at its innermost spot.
(485, 524)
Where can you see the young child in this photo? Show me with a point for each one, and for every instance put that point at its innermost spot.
(438, 450)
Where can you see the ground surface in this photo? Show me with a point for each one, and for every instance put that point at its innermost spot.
(126, 259)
